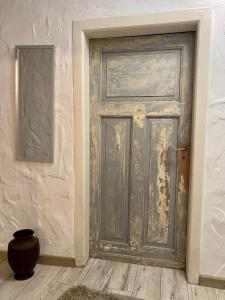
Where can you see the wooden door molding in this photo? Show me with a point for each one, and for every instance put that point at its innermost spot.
(198, 20)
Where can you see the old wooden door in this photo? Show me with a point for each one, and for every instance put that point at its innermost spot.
(140, 124)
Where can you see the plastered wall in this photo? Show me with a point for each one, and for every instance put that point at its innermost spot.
(41, 196)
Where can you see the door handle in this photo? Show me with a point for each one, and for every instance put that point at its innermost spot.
(177, 149)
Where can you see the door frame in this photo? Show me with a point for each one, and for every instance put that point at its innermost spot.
(199, 20)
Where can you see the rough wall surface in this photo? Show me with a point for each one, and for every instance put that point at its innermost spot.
(41, 196)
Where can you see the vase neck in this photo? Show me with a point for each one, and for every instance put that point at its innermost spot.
(23, 234)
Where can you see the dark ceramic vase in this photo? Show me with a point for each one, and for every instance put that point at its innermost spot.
(23, 253)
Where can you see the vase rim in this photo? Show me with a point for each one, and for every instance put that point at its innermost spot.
(23, 233)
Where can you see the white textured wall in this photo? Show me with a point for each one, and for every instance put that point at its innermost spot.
(42, 196)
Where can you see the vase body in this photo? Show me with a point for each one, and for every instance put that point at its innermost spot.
(23, 253)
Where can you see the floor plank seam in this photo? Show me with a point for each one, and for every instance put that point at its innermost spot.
(161, 283)
(216, 296)
(187, 288)
(29, 281)
(126, 278)
(107, 283)
(173, 293)
(66, 284)
(3, 262)
(132, 294)
(6, 278)
(85, 276)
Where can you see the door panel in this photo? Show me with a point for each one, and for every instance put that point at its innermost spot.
(115, 163)
(161, 181)
(140, 108)
(129, 74)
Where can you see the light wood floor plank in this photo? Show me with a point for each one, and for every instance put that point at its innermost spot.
(220, 294)
(167, 284)
(180, 286)
(75, 276)
(5, 271)
(197, 292)
(212, 294)
(123, 278)
(69, 276)
(39, 287)
(56, 291)
(99, 275)
(10, 288)
(118, 292)
(147, 285)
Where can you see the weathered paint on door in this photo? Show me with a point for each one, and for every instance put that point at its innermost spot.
(140, 107)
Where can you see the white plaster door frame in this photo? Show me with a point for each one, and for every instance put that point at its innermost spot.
(198, 20)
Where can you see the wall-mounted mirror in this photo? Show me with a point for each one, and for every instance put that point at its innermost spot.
(35, 103)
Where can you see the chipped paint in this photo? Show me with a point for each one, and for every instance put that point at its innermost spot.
(119, 129)
(185, 168)
(163, 183)
(181, 190)
(139, 118)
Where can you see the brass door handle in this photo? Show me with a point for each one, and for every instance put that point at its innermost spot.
(177, 149)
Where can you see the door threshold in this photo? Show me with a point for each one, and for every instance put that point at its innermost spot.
(138, 260)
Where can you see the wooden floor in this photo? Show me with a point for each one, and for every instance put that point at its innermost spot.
(143, 282)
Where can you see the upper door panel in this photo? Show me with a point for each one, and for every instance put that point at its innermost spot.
(152, 74)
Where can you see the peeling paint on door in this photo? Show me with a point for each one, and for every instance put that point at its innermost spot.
(140, 104)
